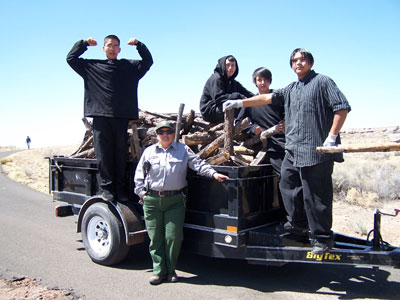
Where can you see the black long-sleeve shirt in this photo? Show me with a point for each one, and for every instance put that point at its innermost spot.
(310, 105)
(110, 85)
(265, 116)
(218, 89)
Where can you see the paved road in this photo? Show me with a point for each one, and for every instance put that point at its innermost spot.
(34, 243)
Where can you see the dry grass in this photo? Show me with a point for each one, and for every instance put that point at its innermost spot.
(368, 178)
(30, 167)
(364, 183)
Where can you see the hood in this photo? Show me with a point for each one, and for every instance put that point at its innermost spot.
(220, 68)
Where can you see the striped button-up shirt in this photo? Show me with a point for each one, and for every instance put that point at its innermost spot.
(168, 168)
(310, 104)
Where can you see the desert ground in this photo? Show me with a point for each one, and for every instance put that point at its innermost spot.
(364, 183)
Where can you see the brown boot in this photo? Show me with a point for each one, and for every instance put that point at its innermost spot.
(156, 279)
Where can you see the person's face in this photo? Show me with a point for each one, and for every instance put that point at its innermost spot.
(165, 136)
(111, 48)
(262, 84)
(230, 67)
(300, 65)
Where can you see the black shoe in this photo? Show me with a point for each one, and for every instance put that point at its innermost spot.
(295, 229)
(107, 195)
(321, 247)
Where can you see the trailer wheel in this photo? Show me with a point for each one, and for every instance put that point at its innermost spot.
(103, 235)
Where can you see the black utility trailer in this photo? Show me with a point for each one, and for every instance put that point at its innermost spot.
(239, 219)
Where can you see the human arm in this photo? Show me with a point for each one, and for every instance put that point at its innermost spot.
(147, 60)
(337, 124)
(140, 177)
(76, 63)
(258, 100)
(339, 105)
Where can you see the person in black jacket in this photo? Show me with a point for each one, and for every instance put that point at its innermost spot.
(111, 99)
(221, 86)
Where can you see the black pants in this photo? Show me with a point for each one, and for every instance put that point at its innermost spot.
(110, 145)
(307, 194)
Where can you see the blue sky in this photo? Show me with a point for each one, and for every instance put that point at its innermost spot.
(355, 42)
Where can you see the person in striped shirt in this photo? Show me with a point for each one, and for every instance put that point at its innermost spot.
(315, 111)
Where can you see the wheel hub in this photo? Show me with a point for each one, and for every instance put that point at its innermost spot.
(98, 234)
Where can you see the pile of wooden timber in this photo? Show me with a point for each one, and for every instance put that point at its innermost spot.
(218, 144)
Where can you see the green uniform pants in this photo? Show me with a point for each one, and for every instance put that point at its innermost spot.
(164, 217)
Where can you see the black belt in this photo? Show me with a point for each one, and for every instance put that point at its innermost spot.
(164, 193)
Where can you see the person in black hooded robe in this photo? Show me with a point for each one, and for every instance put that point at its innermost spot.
(220, 87)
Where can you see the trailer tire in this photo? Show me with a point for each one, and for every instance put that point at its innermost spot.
(103, 235)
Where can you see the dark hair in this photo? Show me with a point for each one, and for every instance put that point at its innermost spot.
(112, 37)
(262, 72)
(305, 53)
(230, 58)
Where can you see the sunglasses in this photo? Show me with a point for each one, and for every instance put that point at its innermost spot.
(167, 131)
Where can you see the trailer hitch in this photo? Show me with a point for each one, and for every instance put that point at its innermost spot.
(377, 241)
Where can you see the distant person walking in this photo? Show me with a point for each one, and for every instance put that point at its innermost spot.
(28, 142)
(111, 99)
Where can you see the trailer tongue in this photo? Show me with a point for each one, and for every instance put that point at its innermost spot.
(238, 219)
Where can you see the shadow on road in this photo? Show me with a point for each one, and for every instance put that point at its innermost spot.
(345, 282)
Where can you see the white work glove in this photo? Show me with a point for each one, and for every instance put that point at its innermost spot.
(330, 141)
(230, 104)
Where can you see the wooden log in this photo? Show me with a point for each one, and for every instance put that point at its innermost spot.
(261, 155)
(189, 121)
(136, 151)
(85, 154)
(218, 159)
(178, 122)
(239, 160)
(243, 150)
(160, 115)
(383, 147)
(220, 126)
(88, 136)
(87, 124)
(246, 158)
(268, 133)
(218, 142)
(229, 116)
(198, 138)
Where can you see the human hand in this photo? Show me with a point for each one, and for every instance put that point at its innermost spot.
(330, 141)
(220, 177)
(281, 126)
(230, 104)
(132, 41)
(91, 41)
(258, 130)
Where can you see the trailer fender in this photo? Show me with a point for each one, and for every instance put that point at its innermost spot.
(133, 226)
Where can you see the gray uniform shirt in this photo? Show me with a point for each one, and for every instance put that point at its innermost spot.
(168, 168)
(310, 104)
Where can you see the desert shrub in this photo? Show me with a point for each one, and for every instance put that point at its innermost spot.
(5, 160)
(368, 177)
